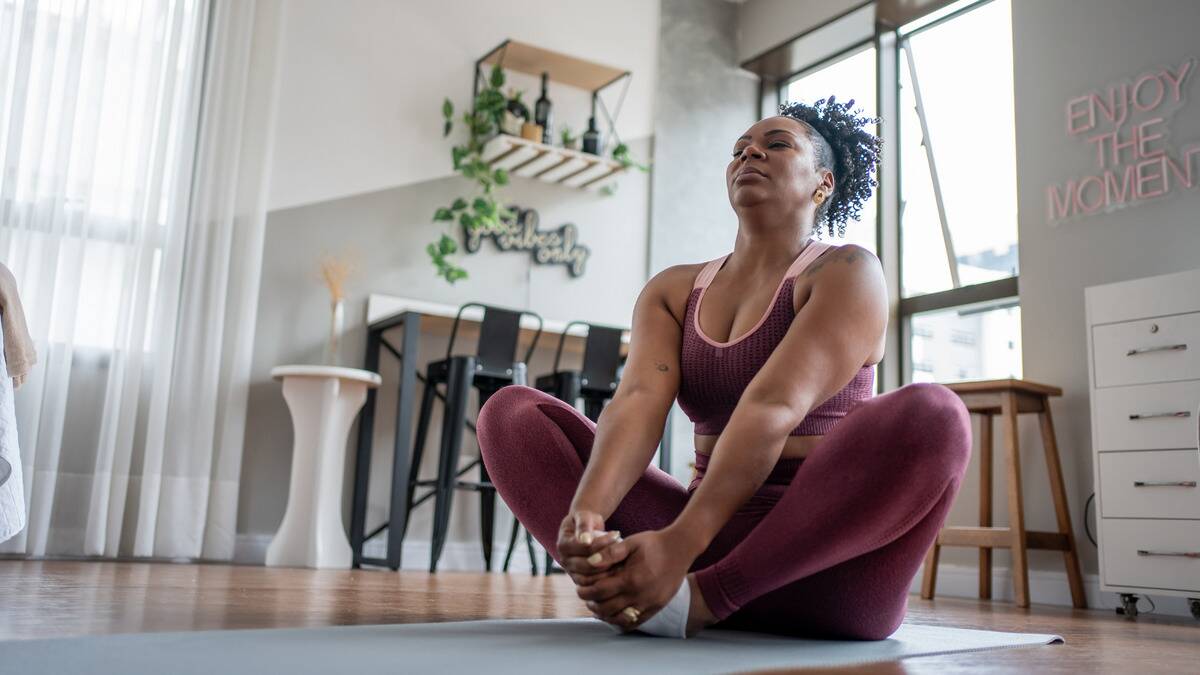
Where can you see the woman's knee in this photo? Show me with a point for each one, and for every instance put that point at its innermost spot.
(937, 423)
(518, 415)
(506, 413)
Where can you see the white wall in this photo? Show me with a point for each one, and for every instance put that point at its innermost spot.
(1062, 50)
(360, 167)
(363, 82)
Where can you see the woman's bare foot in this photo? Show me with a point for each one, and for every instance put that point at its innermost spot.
(699, 616)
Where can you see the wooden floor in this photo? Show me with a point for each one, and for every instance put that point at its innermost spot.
(59, 598)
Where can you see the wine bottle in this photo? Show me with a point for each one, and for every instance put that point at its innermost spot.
(591, 137)
(541, 110)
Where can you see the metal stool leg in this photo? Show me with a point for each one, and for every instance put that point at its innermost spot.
(487, 516)
(423, 418)
(512, 543)
(458, 383)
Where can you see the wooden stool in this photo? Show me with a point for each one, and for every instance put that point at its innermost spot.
(1008, 398)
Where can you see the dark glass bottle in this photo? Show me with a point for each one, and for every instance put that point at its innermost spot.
(591, 137)
(541, 110)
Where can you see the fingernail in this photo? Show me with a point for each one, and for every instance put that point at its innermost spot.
(616, 533)
(595, 558)
(585, 538)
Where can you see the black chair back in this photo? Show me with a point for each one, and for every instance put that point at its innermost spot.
(499, 336)
(601, 355)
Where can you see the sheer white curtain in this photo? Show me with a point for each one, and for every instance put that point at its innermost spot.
(133, 138)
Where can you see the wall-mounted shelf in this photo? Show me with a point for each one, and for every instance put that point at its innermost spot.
(549, 163)
(572, 168)
(563, 68)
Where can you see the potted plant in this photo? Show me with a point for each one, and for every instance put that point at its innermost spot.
(569, 140)
(482, 209)
(621, 155)
(515, 113)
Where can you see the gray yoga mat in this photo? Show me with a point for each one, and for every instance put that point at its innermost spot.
(575, 646)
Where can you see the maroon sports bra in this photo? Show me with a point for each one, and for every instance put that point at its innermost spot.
(714, 374)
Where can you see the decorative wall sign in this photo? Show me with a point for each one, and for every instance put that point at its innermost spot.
(548, 247)
(1125, 124)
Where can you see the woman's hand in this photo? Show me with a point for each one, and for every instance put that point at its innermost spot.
(581, 536)
(643, 571)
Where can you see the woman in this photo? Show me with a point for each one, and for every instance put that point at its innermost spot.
(813, 503)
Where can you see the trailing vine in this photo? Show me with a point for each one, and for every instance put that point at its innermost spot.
(482, 209)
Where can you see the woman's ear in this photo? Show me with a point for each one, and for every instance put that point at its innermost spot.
(827, 183)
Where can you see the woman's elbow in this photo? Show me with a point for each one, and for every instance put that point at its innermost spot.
(774, 415)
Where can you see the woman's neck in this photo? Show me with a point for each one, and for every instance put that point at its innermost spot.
(768, 244)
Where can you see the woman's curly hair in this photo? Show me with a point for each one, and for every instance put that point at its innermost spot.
(846, 149)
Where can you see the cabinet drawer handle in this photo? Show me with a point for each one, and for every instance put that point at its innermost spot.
(1164, 483)
(1147, 350)
(1146, 416)
(1173, 554)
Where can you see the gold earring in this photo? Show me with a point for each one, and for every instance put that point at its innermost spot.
(819, 197)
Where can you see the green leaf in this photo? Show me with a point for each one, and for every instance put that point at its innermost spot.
(432, 250)
(447, 109)
(458, 153)
(609, 190)
(480, 205)
(447, 245)
(459, 204)
(500, 176)
(443, 213)
(497, 76)
(507, 214)
(446, 128)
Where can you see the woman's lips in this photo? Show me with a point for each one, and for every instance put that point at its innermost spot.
(744, 175)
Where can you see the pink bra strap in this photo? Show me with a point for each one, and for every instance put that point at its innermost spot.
(811, 253)
(710, 270)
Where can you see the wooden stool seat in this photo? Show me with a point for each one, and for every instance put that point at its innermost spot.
(1008, 398)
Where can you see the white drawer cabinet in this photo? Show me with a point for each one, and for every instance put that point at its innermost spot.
(1154, 484)
(1150, 554)
(1159, 349)
(1144, 374)
(1147, 416)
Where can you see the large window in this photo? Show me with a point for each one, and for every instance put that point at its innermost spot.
(850, 77)
(958, 197)
(946, 83)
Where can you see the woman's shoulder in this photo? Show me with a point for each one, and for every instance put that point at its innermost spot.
(856, 259)
(673, 286)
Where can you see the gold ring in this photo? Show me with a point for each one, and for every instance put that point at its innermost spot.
(632, 614)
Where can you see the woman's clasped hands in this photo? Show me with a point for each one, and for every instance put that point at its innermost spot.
(622, 580)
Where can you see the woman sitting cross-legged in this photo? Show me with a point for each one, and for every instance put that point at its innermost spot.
(813, 502)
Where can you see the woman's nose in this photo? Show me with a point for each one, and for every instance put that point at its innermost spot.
(751, 150)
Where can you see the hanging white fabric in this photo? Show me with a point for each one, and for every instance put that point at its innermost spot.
(12, 498)
(132, 146)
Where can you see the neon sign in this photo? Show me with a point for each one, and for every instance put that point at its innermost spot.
(1125, 125)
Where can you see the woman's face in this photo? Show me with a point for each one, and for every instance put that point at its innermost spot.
(774, 162)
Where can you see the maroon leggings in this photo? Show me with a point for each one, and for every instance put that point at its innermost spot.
(827, 547)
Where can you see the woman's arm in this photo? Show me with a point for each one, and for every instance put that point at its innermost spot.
(631, 425)
(829, 340)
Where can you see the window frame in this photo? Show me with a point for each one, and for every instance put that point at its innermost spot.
(888, 42)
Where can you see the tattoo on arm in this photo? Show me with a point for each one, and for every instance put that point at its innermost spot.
(661, 367)
(845, 253)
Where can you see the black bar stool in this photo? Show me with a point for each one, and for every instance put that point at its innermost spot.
(595, 383)
(493, 366)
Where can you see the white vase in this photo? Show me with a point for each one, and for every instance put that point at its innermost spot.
(337, 318)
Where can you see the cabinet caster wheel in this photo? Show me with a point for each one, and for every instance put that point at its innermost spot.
(1194, 605)
(1128, 606)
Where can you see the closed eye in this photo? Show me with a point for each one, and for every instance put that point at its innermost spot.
(776, 144)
